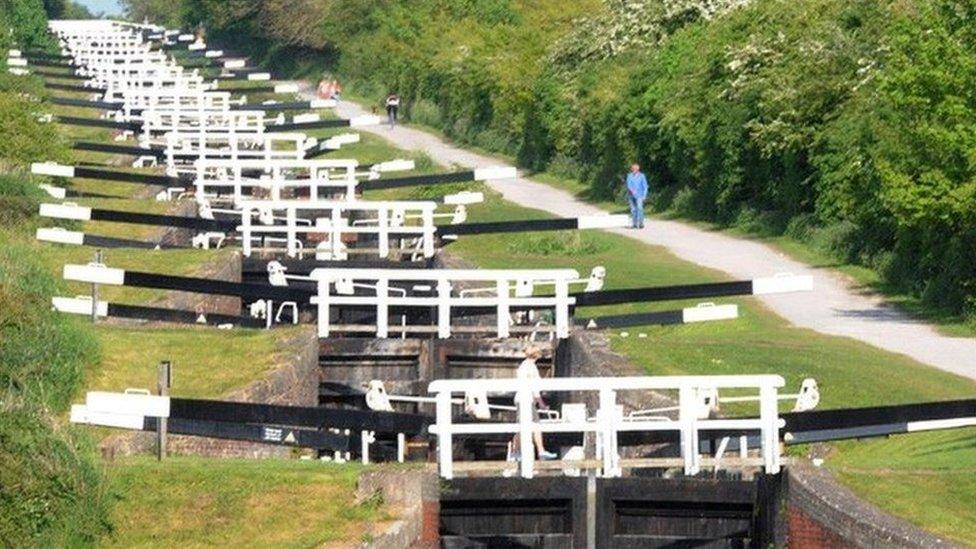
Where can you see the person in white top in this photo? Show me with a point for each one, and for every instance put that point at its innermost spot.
(529, 370)
(392, 108)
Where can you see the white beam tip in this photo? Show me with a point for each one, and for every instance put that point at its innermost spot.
(322, 104)
(94, 275)
(79, 413)
(464, 198)
(16, 62)
(185, 38)
(58, 235)
(709, 311)
(234, 63)
(345, 138)
(394, 165)
(302, 118)
(14, 53)
(782, 283)
(603, 221)
(53, 169)
(196, 46)
(213, 53)
(55, 192)
(364, 120)
(500, 172)
(286, 88)
(259, 76)
(127, 403)
(78, 306)
(65, 211)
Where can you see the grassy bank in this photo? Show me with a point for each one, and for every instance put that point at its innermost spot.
(207, 362)
(195, 502)
(849, 373)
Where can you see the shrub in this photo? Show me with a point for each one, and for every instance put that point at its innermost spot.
(425, 112)
(856, 113)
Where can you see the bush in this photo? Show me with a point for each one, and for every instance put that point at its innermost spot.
(852, 116)
(425, 112)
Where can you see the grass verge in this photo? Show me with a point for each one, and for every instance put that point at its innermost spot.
(237, 503)
(850, 373)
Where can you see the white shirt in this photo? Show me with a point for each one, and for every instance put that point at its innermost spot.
(528, 370)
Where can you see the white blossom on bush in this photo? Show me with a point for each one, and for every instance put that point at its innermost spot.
(630, 24)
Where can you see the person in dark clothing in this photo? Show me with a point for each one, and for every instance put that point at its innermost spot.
(392, 108)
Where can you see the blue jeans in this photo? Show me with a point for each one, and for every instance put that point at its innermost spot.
(636, 210)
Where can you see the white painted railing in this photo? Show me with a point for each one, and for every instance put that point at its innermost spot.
(608, 420)
(184, 150)
(280, 175)
(438, 289)
(295, 222)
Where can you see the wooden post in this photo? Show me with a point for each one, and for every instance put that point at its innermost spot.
(164, 380)
(94, 289)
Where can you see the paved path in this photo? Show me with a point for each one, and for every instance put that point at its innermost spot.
(834, 307)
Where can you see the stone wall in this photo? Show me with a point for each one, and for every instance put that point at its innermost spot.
(413, 495)
(588, 354)
(823, 513)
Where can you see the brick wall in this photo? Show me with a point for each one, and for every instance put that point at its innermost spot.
(823, 513)
(807, 533)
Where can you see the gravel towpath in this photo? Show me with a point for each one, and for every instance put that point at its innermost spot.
(835, 307)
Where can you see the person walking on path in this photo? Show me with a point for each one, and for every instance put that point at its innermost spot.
(392, 108)
(636, 194)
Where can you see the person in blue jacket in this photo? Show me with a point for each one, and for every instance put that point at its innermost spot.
(636, 194)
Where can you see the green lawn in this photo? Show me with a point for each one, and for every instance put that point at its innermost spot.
(174, 262)
(193, 502)
(927, 478)
(207, 362)
(849, 373)
(865, 278)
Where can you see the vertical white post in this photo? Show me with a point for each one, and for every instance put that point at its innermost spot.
(335, 234)
(562, 308)
(322, 299)
(238, 182)
(443, 308)
(313, 184)
(428, 233)
(689, 431)
(607, 433)
(382, 307)
(523, 400)
(444, 438)
(401, 447)
(383, 226)
(501, 288)
(769, 419)
(246, 231)
(364, 439)
(291, 234)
